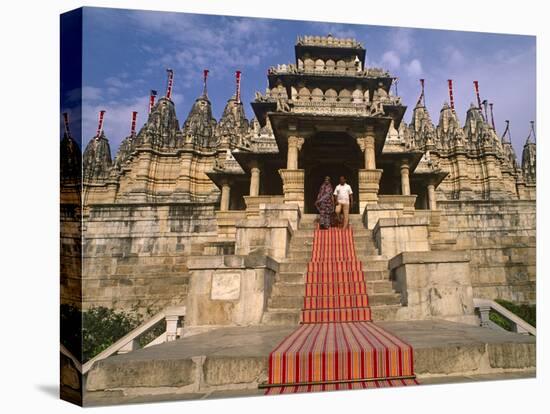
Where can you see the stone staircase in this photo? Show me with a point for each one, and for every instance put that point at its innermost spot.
(287, 296)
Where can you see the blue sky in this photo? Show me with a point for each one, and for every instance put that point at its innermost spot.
(126, 53)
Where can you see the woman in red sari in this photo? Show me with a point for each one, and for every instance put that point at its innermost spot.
(325, 203)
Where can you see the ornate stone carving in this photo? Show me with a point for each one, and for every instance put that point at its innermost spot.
(234, 125)
(96, 160)
(201, 125)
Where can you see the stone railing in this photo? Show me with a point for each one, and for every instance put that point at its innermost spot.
(519, 325)
(130, 342)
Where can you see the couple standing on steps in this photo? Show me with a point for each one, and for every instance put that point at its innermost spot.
(327, 198)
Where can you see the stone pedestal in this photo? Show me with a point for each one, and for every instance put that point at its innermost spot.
(228, 290)
(369, 183)
(226, 222)
(434, 285)
(388, 206)
(253, 203)
(290, 212)
(263, 236)
(293, 186)
(404, 234)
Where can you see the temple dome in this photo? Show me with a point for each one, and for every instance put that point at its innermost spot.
(96, 160)
(200, 124)
(233, 123)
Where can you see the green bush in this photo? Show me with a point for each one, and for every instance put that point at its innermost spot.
(100, 328)
(526, 312)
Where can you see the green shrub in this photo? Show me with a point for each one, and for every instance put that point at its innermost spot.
(526, 312)
(100, 328)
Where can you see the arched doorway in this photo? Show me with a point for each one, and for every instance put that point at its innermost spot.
(332, 154)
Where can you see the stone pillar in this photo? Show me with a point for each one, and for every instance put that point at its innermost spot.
(431, 197)
(369, 184)
(294, 145)
(293, 187)
(254, 181)
(370, 160)
(405, 185)
(226, 192)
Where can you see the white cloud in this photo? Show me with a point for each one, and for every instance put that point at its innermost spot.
(401, 40)
(91, 93)
(414, 68)
(391, 60)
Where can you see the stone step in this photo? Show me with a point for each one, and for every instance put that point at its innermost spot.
(380, 286)
(281, 317)
(357, 236)
(285, 302)
(301, 255)
(384, 299)
(301, 266)
(239, 355)
(290, 277)
(384, 312)
(288, 289)
(376, 275)
(290, 301)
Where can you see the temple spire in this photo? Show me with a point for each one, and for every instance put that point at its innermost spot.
(451, 97)
(133, 125)
(66, 124)
(506, 137)
(529, 156)
(204, 79)
(476, 90)
(100, 123)
(421, 98)
(152, 96)
(485, 103)
(492, 116)
(531, 138)
(170, 83)
(238, 86)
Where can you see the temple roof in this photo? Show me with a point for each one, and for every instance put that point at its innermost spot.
(233, 120)
(200, 123)
(96, 160)
(329, 47)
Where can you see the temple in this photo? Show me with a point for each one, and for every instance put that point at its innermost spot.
(218, 215)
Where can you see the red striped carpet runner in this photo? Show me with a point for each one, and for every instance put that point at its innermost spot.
(337, 346)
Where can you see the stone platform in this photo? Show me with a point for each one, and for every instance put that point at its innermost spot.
(233, 361)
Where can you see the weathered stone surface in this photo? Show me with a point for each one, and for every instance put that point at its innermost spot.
(226, 286)
(434, 285)
(141, 373)
(236, 358)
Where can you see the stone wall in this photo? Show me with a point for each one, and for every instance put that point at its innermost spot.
(500, 236)
(70, 250)
(135, 255)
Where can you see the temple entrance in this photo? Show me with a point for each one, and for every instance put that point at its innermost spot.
(332, 154)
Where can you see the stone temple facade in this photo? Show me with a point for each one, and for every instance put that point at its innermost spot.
(211, 214)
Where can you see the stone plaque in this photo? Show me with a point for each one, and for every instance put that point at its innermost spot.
(226, 286)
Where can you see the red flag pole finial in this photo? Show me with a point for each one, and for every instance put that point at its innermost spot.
(100, 123)
(421, 98)
(66, 124)
(133, 126)
(170, 83)
(204, 79)
(492, 116)
(152, 96)
(238, 86)
(451, 97)
(476, 88)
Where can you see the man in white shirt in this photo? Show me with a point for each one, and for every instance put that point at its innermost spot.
(343, 197)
